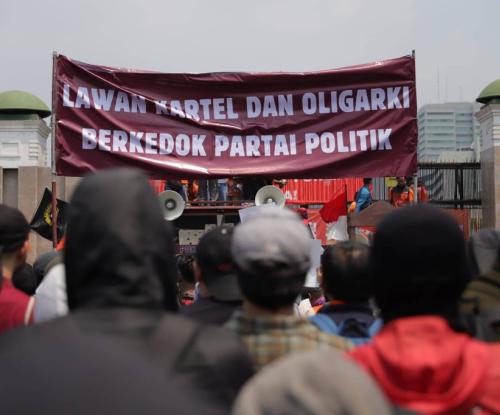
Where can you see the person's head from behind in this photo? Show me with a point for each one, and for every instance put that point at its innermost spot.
(14, 243)
(271, 251)
(367, 181)
(119, 248)
(214, 266)
(346, 272)
(419, 264)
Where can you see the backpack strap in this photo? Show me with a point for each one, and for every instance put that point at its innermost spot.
(375, 327)
(324, 323)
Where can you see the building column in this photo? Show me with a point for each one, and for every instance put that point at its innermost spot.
(489, 119)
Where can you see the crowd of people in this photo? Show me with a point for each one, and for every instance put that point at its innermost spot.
(400, 195)
(408, 325)
(220, 190)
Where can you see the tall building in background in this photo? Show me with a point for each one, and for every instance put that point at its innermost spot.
(448, 132)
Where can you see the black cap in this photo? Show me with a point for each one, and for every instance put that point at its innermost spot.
(14, 229)
(214, 258)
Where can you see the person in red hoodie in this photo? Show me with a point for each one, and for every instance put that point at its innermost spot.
(420, 358)
(16, 308)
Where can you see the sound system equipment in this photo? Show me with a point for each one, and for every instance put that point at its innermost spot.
(270, 194)
(172, 204)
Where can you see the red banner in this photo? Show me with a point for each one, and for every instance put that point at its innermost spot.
(350, 122)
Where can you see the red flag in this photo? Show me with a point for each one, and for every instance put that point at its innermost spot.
(336, 207)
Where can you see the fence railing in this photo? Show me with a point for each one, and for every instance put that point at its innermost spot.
(456, 185)
(449, 185)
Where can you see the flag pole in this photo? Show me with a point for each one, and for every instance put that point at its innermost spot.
(53, 151)
(348, 216)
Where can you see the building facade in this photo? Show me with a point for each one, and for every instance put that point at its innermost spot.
(24, 173)
(448, 132)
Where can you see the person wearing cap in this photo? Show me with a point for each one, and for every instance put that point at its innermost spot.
(271, 252)
(420, 358)
(219, 293)
(122, 298)
(16, 307)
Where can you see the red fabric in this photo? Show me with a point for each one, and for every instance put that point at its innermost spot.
(158, 185)
(13, 305)
(316, 191)
(61, 243)
(423, 196)
(423, 365)
(317, 225)
(336, 207)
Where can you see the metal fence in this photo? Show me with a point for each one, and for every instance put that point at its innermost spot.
(449, 185)
(456, 185)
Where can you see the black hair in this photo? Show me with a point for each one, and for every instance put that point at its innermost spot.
(346, 271)
(367, 180)
(14, 229)
(25, 280)
(419, 263)
(270, 285)
(213, 253)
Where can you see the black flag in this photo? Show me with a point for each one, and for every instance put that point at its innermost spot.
(42, 220)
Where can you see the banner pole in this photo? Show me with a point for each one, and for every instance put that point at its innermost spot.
(348, 216)
(415, 177)
(53, 151)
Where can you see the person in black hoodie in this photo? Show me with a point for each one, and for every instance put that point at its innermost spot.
(120, 275)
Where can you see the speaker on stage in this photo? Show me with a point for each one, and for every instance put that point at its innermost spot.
(172, 204)
(270, 194)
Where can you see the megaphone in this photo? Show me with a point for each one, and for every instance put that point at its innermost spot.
(269, 194)
(172, 204)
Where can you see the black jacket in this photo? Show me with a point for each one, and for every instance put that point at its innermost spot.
(118, 345)
(210, 310)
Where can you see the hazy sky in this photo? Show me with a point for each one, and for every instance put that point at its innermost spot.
(460, 39)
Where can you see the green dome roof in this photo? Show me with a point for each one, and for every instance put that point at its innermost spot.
(490, 94)
(22, 103)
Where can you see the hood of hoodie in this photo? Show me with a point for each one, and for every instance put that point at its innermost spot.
(422, 364)
(119, 249)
